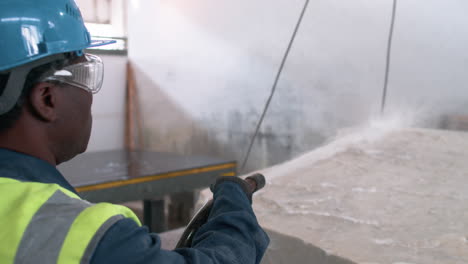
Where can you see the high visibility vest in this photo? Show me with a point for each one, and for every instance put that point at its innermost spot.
(45, 223)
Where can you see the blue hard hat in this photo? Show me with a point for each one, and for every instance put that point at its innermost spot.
(34, 29)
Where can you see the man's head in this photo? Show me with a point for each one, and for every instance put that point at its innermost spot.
(46, 81)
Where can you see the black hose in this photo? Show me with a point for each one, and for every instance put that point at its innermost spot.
(389, 56)
(275, 84)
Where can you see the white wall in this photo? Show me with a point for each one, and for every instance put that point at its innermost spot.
(430, 62)
(205, 69)
(109, 106)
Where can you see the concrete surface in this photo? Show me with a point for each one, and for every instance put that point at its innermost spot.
(377, 196)
(169, 239)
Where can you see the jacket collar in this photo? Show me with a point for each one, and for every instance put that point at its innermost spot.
(23, 167)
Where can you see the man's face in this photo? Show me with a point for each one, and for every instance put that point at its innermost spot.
(74, 123)
(75, 120)
(80, 114)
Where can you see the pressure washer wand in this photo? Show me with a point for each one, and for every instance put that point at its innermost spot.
(255, 182)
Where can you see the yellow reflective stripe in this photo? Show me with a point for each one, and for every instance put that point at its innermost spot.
(115, 184)
(85, 227)
(19, 213)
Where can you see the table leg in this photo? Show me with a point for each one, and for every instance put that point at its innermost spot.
(180, 209)
(154, 216)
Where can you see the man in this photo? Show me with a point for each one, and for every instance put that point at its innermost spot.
(46, 87)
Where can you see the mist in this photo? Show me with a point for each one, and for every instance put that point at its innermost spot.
(205, 70)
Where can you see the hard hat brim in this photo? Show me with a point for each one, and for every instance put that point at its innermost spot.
(103, 42)
(92, 44)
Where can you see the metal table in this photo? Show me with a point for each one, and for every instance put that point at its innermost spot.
(120, 176)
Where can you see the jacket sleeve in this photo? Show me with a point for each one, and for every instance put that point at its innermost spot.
(231, 235)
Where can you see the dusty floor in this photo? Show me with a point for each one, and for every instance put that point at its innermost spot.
(375, 196)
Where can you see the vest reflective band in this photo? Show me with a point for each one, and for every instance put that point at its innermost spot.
(45, 223)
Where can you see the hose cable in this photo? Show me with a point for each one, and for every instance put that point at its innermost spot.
(275, 84)
(389, 54)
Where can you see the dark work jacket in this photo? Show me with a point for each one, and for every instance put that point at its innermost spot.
(231, 235)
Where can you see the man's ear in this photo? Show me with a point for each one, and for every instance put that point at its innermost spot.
(43, 101)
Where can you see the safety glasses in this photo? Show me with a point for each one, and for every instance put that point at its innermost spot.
(87, 75)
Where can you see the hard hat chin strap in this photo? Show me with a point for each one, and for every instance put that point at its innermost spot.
(16, 80)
